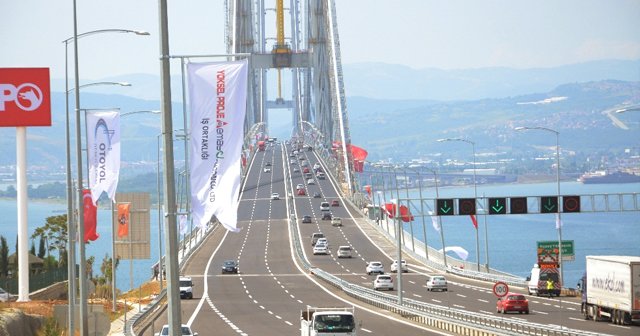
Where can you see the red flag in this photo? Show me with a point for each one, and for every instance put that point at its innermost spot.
(474, 220)
(123, 219)
(90, 217)
(390, 209)
(405, 214)
(367, 188)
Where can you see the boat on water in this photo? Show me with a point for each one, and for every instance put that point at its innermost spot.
(609, 177)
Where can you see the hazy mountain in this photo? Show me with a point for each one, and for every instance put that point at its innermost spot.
(389, 81)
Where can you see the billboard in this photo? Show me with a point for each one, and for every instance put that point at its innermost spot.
(135, 243)
(25, 97)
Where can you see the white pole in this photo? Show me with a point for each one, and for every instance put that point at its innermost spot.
(23, 248)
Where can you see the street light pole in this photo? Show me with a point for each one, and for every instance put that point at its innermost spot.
(71, 224)
(475, 193)
(559, 213)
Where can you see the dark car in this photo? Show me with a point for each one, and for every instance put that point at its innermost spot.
(268, 164)
(306, 219)
(229, 266)
(317, 195)
(512, 302)
(326, 216)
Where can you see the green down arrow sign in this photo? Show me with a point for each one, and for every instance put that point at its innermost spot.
(549, 204)
(444, 207)
(497, 206)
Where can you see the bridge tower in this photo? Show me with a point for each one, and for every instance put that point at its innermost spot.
(308, 61)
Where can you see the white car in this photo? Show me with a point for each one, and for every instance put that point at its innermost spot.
(374, 267)
(275, 196)
(438, 282)
(324, 206)
(336, 221)
(322, 241)
(185, 331)
(299, 186)
(267, 169)
(383, 282)
(320, 249)
(186, 288)
(394, 266)
(311, 181)
(344, 251)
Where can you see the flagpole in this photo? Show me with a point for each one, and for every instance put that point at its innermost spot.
(113, 259)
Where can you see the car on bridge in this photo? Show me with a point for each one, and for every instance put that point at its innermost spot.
(229, 266)
(394, 266)
(320, 249)
(336, 221)
(315, 236)
(438, 282)
(335, 203)
(267, 164)
(344, 251)
(383, 282)
(324, 206)
(512, 302)
(317, 195)
(375, 267)
(185, 330)
(311, 181)
(296, 170)
(267, 170)
(306, 219)
(326, 216)
(186, 288)
(275, 196)
(301, 192)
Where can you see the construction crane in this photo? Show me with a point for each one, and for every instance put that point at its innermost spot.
(281, 51)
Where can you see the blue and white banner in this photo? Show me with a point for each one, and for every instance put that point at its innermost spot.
(218, 98)
(103, 152)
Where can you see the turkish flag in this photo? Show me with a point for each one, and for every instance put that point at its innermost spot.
(123, 219)
(90, 217)
(474, 220)
(405, 214)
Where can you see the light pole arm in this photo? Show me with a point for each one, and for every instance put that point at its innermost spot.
(101, 31)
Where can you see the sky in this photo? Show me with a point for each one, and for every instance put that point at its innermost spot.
(445, 34)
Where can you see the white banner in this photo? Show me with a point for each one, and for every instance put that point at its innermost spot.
(103, 152)
(218, 98)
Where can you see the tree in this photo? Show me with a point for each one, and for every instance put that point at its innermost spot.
(54, 232)
(32, 250)
(105, 268)
(4, 257)
(41, 248)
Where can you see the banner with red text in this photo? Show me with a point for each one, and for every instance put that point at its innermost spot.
(103, 152)
(218, 97)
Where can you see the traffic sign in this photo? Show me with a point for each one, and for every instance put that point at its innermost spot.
(500, 289)
(466, 206)
(444, 206)
(551, 247)
(549, 204)
(497, 206)
(570, 203)
(518, 205)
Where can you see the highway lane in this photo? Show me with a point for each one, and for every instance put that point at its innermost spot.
(465, 294)
(268, 294)
(271, 290)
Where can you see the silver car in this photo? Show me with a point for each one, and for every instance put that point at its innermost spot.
(375, 267)
(383, 282)
(436, 282)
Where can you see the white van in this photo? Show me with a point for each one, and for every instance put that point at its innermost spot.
(315, 237)
(344, 252)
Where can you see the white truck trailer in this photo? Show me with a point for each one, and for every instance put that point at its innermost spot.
(611, 289)
(315, 321)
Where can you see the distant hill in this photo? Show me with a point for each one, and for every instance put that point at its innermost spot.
(390, 81)
(408, 129)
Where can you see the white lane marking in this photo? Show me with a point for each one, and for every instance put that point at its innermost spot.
(289, 323)
(483, 300)
(416, 295)
(434, 300)
(577, 319)
(540, 312)
(486, 312)
(366, 330)
(460, 295)
(459, 306)
(618, 326)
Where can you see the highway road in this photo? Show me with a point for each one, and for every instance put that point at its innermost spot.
(271, 288)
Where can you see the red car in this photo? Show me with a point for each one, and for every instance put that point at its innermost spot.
(306, 170)
(301, 192)
(335, 203)
(512, 302)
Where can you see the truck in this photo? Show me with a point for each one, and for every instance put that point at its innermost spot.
(316, 321)
(540, 274)
(611, 289)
